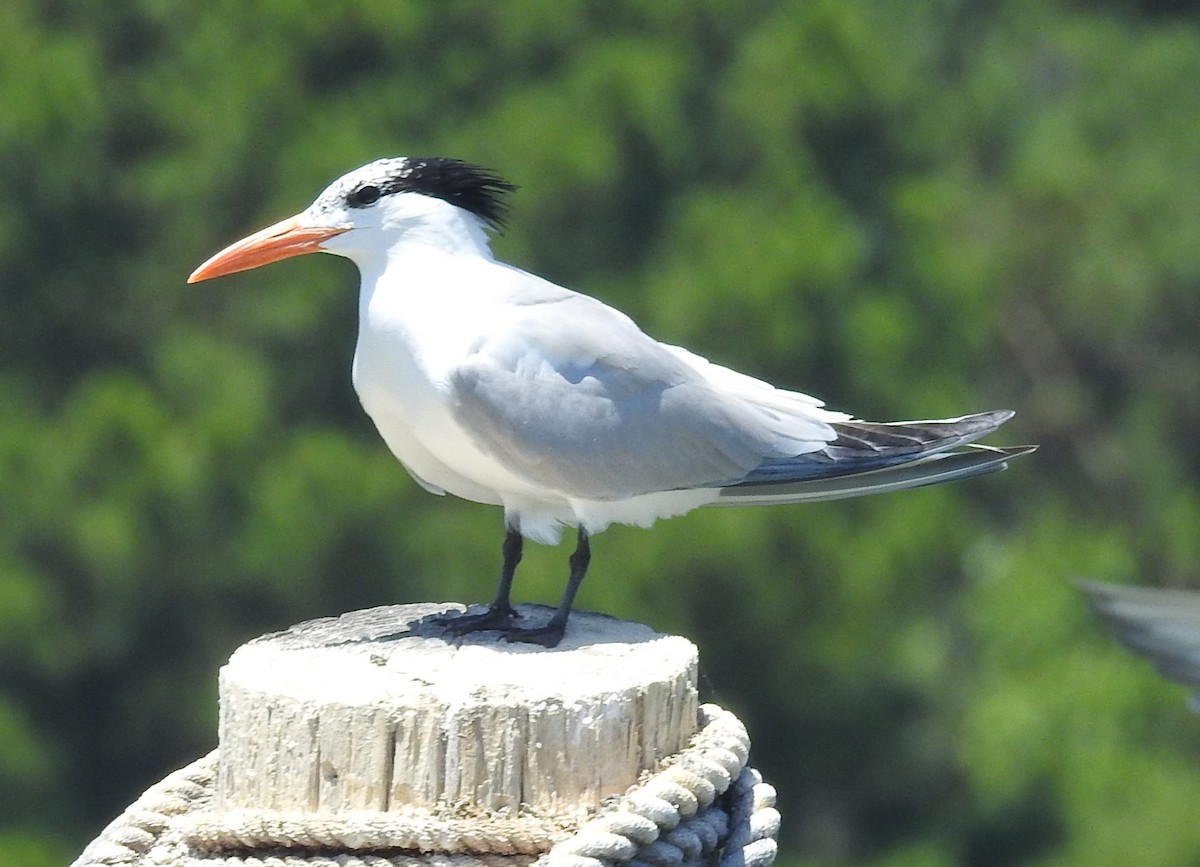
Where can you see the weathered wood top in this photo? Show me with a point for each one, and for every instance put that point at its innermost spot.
(382, 710)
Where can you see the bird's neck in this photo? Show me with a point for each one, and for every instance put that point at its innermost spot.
(436, 223)
(457, 234)
(419, 271)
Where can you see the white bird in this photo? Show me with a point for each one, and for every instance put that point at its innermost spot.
(497, 386)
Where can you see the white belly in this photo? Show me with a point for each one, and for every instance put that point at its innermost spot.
(412, 414)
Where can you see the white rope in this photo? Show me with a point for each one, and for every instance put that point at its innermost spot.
(705, 806)
(247, 829)
(132, 834)
(635, 827)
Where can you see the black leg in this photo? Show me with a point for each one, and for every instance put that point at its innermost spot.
(513, 544)
(500, 613)
(552, 633)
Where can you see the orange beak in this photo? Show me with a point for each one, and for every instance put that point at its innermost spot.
(285, 239)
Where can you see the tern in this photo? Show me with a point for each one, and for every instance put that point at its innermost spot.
(495, 385)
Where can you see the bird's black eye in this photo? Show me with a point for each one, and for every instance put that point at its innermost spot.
(367, 194)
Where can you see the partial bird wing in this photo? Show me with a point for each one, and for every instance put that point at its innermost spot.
(863, 446)
(1162, 625)
(574, 396)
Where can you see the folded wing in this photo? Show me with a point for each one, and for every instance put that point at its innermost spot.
(571, 395)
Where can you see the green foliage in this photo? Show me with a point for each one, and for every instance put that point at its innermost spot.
(912, 209)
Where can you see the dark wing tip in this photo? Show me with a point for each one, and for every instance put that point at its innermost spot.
(858, 439)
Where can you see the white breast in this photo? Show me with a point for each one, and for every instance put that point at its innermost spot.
(416, 325)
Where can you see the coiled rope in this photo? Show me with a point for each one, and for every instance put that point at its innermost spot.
(705, 806)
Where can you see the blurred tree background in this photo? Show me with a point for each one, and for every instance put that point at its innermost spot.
(911, 209)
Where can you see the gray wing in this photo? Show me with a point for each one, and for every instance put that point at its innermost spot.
(1162, 625)
(572, 395)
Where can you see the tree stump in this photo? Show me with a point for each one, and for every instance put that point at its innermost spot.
(381, 710)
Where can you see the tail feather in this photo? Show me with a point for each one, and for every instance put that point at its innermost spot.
(930, 469)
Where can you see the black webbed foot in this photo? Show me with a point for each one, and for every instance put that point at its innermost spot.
(547, 636)
(496, 617)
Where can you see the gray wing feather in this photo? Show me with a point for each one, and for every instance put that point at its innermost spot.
(575, 397)
(1162, 625)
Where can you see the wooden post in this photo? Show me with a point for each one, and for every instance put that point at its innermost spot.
(380, 710)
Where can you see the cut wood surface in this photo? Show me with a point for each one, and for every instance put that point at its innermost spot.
(382, 710)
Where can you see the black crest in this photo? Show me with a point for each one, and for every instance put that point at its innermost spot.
(470, 187)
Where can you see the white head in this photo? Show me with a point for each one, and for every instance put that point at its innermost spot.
(365, 212)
